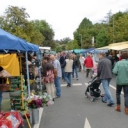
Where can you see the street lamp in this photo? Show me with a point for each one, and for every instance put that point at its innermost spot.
(113, 27)
(81, 40)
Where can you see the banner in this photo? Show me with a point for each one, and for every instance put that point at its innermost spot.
(10, 63)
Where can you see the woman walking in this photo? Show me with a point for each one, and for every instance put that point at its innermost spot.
(88, 62)
(68, 70)
(48, 76)
(121, 72)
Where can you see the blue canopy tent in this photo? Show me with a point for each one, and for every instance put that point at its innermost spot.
(100, 50)
(33, 47)
(87, 50)
(10, 43)
(78, 51)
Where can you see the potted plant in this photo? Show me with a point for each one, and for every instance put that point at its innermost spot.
(34, 102)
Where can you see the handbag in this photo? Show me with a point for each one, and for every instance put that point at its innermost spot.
(4, 87)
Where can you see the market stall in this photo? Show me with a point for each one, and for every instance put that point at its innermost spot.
(11, 44)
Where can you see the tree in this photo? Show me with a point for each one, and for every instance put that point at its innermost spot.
(16, 22)
(72, 45)
(118, 27)
(46, 31)
(102, 38)
(65, 40)
(84, 30)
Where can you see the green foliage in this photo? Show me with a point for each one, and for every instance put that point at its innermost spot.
(16, 22)
(65, 40)
(72, 45)
(102, 39)
(114, 29)
(44, 28)
(84, 30)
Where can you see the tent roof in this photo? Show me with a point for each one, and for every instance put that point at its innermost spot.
(77, 50)
(106, 47)
(116, 46)
(34, 48)
(13, 43)
(120, 43)
(119, 47)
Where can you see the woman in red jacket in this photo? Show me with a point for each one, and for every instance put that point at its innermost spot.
(88, 63)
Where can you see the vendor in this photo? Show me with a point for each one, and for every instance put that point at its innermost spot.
(1, 82)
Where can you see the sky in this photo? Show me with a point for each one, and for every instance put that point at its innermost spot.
(64, 16)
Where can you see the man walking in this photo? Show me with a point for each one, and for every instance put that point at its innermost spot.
(62, 63)
(105, 75)
(57, 69)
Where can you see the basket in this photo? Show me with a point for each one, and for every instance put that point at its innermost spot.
(5, 87)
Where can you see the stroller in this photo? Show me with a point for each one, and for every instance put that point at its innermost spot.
(93, 90)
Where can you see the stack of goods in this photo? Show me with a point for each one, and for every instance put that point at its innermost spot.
(17, 94)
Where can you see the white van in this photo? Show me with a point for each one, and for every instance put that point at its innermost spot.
(45, 49)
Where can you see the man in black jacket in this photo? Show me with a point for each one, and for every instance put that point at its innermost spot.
(63, 63)
(105, 75)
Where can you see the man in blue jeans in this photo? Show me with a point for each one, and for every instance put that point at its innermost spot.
(105, 75)
(57, 67)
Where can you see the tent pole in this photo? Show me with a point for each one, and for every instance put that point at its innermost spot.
(39, 71)
(28, 82)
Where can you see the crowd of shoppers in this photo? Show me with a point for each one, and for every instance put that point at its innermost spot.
(66, 66)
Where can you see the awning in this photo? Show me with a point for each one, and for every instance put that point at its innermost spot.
(116, 46)
(120, 43)
(106, 47)
(9, 42)
(119, 47)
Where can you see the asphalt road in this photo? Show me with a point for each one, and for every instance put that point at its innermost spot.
(71, 110)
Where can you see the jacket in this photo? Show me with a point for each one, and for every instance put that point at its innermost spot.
(62, 61)
(75, 63)
(88, 62)
(69, 65)
(104, 69)
(121, 70)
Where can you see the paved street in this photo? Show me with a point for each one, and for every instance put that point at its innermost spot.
(73, 108)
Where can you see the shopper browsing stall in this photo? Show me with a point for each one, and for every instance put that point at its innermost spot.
(48, 76)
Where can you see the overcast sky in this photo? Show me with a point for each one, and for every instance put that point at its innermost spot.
(64, 16)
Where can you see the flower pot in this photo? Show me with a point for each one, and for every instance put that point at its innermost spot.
(34, 115)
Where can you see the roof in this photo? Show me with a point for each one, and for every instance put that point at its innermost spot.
(116, 46)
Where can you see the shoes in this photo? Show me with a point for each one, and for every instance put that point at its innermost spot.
(103, 100)
(76, 78)
(110, 104)
(57, 97)
(118, 108)
(126, 110)
(68, 85)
